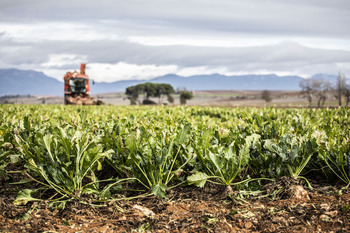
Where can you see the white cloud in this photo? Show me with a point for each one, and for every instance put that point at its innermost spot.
(121, 60)
(139, 39)
(58, 31)
(59, 60)
(103, 72)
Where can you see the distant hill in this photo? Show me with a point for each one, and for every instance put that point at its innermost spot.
(23, 82)
(211, 82)
(215, 82)
(331, 78)
(244, 82)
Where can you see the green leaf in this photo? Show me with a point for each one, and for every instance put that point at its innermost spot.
(60, 205)
(206, 137)
(184, 134)
(15, 158)
(90, 190)
(132, 142)
(199, 179)
(244, 152)
(270, 145)
(24, 196)
(26, 123)
(215, 161)
(159, 190)
(47, 141)
(99, 166)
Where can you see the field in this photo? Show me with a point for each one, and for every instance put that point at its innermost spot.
(174, 169)
(232, 98)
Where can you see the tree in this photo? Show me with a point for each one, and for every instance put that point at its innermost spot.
(132, 93)
(347, 93)
(184, 96)
(171, 99)
(266, 95)
(322, 87)
(341, 85)
(316, 87)
(165, 89)
(148, 90)
(307, 88)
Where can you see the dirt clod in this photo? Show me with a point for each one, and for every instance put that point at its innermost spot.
(298, 192)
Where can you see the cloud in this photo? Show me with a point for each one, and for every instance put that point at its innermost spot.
(144, 39)
(111, 72)
(310, 17)
(134, 61)
(120, 59)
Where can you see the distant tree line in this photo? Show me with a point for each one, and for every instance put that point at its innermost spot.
(156, 90)
(320, 89)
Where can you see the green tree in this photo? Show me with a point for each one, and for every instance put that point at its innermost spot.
(171, 99)
(149, 90)
(132, 93)
(165, 89)
(266, 95)
(184, 96)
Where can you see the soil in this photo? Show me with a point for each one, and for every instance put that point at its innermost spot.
(286, 206)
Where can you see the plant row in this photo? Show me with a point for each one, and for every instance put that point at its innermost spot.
(92, 153)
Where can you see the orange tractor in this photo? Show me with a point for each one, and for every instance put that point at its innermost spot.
(77, 88)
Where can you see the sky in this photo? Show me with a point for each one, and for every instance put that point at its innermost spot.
(144, 39)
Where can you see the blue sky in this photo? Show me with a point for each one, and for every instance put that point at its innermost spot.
(138, 39)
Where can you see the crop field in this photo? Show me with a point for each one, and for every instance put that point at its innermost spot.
(173, 169)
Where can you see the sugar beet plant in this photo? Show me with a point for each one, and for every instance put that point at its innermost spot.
(334, 144)
(69, 151)
(64, 161)
(154, 158)
(221, 162)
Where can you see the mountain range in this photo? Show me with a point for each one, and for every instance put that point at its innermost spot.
(24, 82)
(28, 82)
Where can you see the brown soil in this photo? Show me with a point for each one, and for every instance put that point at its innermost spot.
(190, 209)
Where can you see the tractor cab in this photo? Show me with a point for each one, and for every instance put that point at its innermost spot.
(78, 85)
